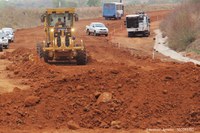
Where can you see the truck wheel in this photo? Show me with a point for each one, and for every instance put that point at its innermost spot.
(95, 34)
(81, 57)
(130, 34)
(39, 50)
(106, 34)
(1, 48)
(147, 34)
(88, 32)
(6, 47)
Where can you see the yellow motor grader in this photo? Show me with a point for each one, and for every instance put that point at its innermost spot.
(60, 43)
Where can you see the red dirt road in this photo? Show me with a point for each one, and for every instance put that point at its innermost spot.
(145, 93)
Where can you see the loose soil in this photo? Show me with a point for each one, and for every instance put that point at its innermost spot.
(142, 93)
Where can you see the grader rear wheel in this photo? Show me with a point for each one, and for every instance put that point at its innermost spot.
(81, 57)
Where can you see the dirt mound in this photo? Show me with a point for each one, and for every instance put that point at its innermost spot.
(27, 65)
(2, 56)
(160, 98)
(31, 101)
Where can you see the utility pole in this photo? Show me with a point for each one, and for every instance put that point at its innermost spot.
(59, 4)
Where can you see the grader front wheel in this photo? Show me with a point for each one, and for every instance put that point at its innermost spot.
(46, 57)
(41, 53)
(81, 58)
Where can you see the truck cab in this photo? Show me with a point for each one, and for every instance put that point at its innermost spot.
(138, 23)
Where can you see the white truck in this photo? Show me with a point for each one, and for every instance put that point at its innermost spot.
(9, 34)
(138, 23)
(96, 29)
(3, 40)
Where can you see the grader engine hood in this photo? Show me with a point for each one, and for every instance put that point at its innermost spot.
(63, 32)
(61, 37)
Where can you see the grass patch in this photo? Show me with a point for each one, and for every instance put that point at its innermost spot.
(24, 18)
(19, 18)
(182, 26)
(194, 50)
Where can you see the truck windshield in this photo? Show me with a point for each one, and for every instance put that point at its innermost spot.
(99, 25)
(132, 22)
(8, 32)
(109, 6)
(66, 18)
(2, 34)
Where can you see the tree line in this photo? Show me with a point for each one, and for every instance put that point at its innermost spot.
(74, 3)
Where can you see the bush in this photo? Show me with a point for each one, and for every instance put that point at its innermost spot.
(24, 18)
(89, 12)
(182, 26)
(19, 18)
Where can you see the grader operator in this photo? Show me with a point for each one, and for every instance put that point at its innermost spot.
(60, 43)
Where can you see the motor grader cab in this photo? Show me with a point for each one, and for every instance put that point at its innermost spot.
(60, 43)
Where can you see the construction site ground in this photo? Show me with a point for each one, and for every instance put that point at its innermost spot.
(143, 93)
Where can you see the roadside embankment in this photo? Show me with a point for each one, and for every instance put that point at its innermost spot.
(161, 46)
(182, 27)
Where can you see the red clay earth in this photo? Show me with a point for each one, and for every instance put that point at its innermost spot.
(160, 98)
(137, 92)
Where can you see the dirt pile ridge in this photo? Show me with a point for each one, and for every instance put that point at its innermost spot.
(27, 65)
(160, 98)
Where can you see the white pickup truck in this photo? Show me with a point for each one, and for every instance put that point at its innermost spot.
(9, 34)
(96, 29)
(3, 40)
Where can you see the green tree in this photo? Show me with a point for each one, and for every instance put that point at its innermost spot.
(93, 2)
